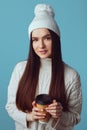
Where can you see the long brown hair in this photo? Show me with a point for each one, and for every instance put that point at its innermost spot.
(29, 80)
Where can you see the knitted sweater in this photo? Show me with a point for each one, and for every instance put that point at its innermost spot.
(73, 90)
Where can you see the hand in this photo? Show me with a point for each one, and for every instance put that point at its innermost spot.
(55, 109)
(35, 114)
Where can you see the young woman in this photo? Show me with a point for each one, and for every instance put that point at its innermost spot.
(44, 72)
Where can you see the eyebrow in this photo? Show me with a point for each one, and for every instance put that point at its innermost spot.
(47, 35)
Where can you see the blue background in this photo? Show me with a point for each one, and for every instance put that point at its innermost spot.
(15, 16)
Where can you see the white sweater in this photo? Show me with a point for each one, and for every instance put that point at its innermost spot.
(74, 94)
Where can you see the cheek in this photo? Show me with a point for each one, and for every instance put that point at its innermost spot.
(34, 46)
(50, 47)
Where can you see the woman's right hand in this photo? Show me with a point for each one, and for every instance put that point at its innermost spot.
(35, 114)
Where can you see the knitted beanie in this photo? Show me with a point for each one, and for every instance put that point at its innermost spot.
(44, 18)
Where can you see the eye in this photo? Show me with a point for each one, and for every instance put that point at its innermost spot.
(34, 39)
(48, 37)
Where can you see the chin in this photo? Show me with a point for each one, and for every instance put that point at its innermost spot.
(44, 56)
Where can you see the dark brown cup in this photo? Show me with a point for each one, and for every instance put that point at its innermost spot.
(42, 101)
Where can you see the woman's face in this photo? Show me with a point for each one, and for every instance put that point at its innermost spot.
(42, 42)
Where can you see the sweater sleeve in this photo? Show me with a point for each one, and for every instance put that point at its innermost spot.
(11, 108)
(72, 117)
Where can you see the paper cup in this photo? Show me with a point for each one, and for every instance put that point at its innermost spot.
(42, 101)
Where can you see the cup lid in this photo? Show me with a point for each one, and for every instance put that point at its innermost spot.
(43, 99)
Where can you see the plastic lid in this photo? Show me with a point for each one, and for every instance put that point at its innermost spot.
(43, 99)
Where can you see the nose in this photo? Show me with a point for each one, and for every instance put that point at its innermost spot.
(41, 44)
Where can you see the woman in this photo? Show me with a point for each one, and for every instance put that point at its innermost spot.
(44, 72)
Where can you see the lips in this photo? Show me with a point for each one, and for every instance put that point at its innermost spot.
(43, 51)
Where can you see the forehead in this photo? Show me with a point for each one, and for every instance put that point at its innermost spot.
(40, 32)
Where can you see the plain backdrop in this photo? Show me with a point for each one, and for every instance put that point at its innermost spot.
(15, 16)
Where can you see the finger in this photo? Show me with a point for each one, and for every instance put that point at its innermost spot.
(33, 103)
(55, 112)
(35, 109)
(40, 114)
(37, 115)
(54, 101)
(53, 105)
(56, 115)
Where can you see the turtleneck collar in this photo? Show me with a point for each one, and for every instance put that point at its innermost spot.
(46, 63)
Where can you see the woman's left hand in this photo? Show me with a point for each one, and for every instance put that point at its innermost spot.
(55, 109)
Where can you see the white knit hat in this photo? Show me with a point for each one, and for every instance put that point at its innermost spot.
(44, 18)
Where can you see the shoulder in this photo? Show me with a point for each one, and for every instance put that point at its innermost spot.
(70, 73)
(69, 70)
(20, 67)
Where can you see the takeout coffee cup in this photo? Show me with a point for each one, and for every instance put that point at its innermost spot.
(42, 101)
